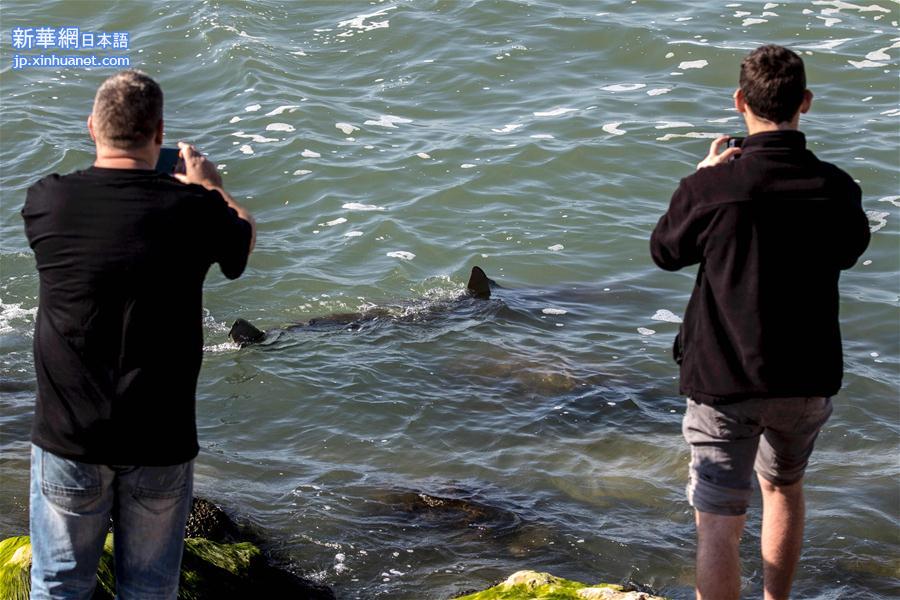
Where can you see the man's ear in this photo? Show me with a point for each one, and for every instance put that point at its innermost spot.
(90, 125)
(807, 101)
(158, 138)
(740, 104)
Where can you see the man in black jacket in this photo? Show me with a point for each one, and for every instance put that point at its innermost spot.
(771, 227)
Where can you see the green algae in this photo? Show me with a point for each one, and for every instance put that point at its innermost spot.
(15, 567)
(531, 585)
(208, 569)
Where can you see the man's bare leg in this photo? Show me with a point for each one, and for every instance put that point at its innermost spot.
(782, 536)
(718, 556)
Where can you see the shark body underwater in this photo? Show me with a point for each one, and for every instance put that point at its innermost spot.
(245, 333)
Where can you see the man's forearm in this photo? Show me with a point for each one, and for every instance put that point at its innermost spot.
(242, 213)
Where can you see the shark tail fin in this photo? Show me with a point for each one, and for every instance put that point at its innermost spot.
(243, 332)
(479, 285)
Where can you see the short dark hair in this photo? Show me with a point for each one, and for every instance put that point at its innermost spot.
(773, 82)
(127, 109)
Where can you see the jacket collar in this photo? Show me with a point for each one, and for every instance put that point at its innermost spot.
(785, 139)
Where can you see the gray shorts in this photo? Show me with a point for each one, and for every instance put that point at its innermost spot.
(773, 436)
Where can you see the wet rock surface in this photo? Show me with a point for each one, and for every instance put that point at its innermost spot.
(532, 585)
(218, 563)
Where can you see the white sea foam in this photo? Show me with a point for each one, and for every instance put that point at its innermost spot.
(389, 121)
(877, 220)
(507, 128)
(624, 87)
(554, 311)
(742, 13)
(721, 120)
(223, 347)
(672, 124)
(824, 45)
(307, 153)
(234, 119)
(658, 91)
(692, 134)
(246, 149)
(353, 234)
(363, 22)
(363, 207)
(279, 127)
(881, 54)
(753, 21)
(829, 21)
(693, 64)
(556, 247)
(770, 5)
(302, 172)
(402, 255)
(542, 136)
(841, 5)
(253, 107)
(423, 155)
(613, 129)
(866, 64)
(14, 312)
(467, 166)
(555, 112)
(346, 128)
(666, 315)
(645, 331)
(895, 200)
(281, 109)
(337, 221)
(254, 137)
(680, 19)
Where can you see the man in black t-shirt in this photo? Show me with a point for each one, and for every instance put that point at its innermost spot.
(122, 252)
(760, 347)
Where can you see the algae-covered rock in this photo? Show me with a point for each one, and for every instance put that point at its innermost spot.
(531, 585)
(15, 564)
(209, 570)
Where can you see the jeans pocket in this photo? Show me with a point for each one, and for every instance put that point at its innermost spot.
(69, 484)
(159, 489)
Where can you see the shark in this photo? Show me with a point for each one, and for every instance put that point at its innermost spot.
(244, 333)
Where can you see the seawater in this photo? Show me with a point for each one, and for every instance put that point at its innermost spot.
(387, 147)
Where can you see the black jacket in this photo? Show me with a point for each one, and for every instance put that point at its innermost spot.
(771, 231)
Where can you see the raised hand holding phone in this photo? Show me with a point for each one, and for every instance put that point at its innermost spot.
(714, 157)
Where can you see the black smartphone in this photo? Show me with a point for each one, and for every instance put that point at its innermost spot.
(735, 142)
(169, 161)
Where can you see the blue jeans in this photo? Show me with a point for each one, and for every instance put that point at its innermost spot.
(71, 505)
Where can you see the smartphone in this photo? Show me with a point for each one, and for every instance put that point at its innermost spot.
(735, 142)
(170, 161)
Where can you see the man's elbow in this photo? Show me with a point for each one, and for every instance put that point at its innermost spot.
(663, 259)
(667, 264)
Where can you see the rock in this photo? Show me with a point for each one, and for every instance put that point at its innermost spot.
(15, 566)
(215, 565)
(531, 585)
(209, 570)
(209, 521)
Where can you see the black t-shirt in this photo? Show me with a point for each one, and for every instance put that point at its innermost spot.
(118, 341)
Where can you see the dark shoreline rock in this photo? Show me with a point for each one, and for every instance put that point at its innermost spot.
(217, 564)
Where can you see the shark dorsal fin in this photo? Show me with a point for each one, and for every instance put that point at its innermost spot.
(243, 332)
(479, 285)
